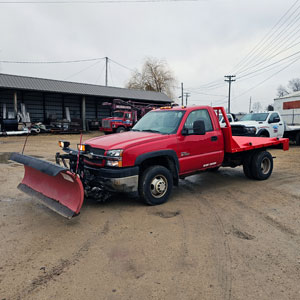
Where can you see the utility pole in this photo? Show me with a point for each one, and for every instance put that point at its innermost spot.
(181, 93)
(106, 70)
(250, 105)
(186, 98)
(229, 80)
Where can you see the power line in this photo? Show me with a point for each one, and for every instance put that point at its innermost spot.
(265, 71)
(100, 74)
(50, 62)
(96, 2)
(121, 65)
(270, 58)
(79, 72)
(270, 64)
(277, 45)
(260, 83)
(262, 42)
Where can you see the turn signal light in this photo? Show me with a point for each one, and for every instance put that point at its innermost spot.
(63, 144)
(81, 147)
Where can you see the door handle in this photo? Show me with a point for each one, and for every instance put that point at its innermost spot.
(214, 138)
(280, 123)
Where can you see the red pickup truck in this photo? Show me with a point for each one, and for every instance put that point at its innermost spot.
(165, 145)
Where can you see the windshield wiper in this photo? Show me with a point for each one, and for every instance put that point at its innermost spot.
(135, 130)
(151, 130)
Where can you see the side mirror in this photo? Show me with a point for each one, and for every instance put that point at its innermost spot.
(185, 131)
(199, 127)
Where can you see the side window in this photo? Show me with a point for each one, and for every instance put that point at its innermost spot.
(229, 118)
(196, 115)
(273, 116)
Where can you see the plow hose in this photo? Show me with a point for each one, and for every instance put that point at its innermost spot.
(55, 186)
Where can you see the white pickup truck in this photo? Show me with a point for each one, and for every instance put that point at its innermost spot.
(265, 124)
(231, 119)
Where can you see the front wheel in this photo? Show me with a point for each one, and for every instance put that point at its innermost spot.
(120, 129)
(262, 165)
(155, 185)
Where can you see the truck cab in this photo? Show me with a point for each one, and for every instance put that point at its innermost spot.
(119, 122)
(260, 124)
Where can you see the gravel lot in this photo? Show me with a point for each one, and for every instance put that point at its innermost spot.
(220, 236)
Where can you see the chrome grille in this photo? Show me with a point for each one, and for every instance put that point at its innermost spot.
(105, 124)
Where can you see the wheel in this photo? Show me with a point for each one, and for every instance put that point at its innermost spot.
(263, 134)
(155, 185)
(262, 165)
(297, 139)
(247, 165)
(120, 129)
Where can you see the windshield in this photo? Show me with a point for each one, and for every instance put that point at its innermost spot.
(164, 122)
(118, 114)
(255, 117)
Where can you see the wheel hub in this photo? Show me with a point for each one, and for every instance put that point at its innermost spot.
(265, 165)
(158, 186)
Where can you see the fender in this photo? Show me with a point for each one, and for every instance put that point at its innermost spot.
(169, 153)
(261, 131)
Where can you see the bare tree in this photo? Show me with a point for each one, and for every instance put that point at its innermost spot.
(256, 107)
(281, 91)
(155, 76)
(294, 84)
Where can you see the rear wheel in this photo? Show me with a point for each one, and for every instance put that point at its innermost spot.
(262, 165)
(120, 129)
(155, 185)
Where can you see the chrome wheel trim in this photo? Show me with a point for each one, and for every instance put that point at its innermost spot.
(265, 165)
(159, 186)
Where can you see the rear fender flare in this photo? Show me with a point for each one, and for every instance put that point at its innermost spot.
(169, 154)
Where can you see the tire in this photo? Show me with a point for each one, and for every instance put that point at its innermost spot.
(262, 165)
(155, 185)
(120, 129)
(247, 166)
(263, 134)
(297, 139)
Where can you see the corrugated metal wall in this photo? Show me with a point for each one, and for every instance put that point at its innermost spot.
(6, 97)
(55, 105)
(34, 105)
(74, 104)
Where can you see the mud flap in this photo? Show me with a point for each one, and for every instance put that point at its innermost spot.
(55, 186)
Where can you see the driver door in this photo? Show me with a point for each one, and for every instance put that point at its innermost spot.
(196, 152)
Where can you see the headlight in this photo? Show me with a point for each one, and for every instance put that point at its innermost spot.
(64, 144)
(114, 158)
(81, 147)
(114, 153)
(251, 130)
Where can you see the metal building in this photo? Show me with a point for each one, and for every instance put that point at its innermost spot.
(44, 97)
